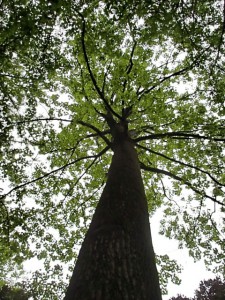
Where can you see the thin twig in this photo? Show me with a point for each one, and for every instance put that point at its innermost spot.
(41, 119)
(147, 91)
(91, 164)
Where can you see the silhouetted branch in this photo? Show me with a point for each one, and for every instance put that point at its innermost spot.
(130, 65)
(41, 119)
(181, 163)
(53, 172)
(142, 92)
(215, 226)
(177, 135)
(165, 194)
(98, 90)
(79, 141)
(92, 163)
(178, 178)
(99, 132)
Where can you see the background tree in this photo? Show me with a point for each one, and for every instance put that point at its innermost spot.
(63, 66)
(13, 293)
(180, 297)
(211, 289)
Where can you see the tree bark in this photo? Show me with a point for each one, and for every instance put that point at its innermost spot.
(116, 260)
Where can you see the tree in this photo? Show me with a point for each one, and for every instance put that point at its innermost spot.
(211, 289)
(117, 259)
(88, 80)
(180, 297)
(12, 293)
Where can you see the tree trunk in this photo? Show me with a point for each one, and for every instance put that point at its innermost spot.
(117, 260)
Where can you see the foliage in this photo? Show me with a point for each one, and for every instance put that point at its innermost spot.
(167, 269)
(180, 297)
(211, 289)
(64, 65)
(12, 293)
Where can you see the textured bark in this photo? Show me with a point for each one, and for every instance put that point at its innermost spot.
(117, 260)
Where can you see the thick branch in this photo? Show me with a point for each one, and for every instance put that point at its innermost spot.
(178, 178)
(130, 65)
(181, 163)
(99, 132)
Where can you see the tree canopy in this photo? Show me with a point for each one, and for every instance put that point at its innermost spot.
(64, 66)
(12, 293)
(211, 289)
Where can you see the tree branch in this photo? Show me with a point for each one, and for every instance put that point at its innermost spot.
(91, 164)
(53, 172)
(147, 91)
(80, 140)
(178, 178)
(178, 135)
(165, 194)
(41, 119)
(181, 163)
(104, 80)
(130, 65)
(98, 90)
(95, 192)
(99, 132)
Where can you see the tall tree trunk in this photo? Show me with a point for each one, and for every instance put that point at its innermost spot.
(117, 260)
